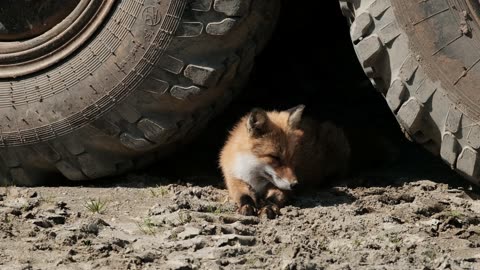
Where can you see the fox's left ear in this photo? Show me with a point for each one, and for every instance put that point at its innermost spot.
(257, 122)
(295, 116)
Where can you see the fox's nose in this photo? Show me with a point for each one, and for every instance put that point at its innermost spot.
(293, 184)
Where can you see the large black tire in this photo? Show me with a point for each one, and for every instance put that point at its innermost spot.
(424, 57)
(145, 80)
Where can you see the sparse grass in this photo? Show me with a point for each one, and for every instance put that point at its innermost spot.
(7, 218)
(47, 199)
(380, 238)
(86, 242)
(357, 243)
(214, 209)
(184, 217)
(394, 238)
(96, 206)
(147, 227)
(25, 207)
(219, 209)
(430, 254)
(173, 237)
(455, 214)
(158, 191)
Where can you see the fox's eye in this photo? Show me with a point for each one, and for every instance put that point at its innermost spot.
(275, 159)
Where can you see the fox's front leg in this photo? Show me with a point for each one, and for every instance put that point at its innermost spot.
(243, 195)
(274, 199)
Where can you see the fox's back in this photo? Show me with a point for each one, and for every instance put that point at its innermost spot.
(323, 152)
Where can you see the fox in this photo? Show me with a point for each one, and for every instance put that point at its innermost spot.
(269, 153)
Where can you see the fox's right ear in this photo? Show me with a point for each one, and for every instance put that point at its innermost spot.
(257, 122)
(295, 116)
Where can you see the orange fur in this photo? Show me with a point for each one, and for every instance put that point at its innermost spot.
(267, 153)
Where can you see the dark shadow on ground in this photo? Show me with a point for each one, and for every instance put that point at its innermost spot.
(310, 60)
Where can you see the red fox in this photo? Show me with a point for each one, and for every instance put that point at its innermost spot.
(268, 153)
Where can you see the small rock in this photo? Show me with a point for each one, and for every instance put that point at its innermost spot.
(62, 212)
(343, 266)
(57, 219)
(119, 242)
(90, 228)
(232, 239)
(189, 232)
(392, 219)
(67, 238)
(19, 203)
(294, 213)
(94, 226)
(288, 265)
(181, 203)
(41, 246)
(51, 235)
(361, 210)
(209, 229)
(13, 192)
(26, 267)
(28, 215)
(160, 209)
(178, 265)
(434, 223)
(193, 244)
(147, 257)
(211, 265)
(102, 247)
(16, 212)
(245, 220)
(61, 204)
(42, 223)
(291, 252)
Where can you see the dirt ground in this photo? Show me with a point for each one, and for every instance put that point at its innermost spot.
(391, 218)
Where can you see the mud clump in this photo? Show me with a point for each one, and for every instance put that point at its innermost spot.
(417, 225)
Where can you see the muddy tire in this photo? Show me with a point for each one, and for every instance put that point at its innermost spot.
(424, 57)
(137, 79)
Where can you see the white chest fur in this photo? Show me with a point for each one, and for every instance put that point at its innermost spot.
(249, 168)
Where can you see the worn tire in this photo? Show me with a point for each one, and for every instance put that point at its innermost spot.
(423, 57)
(145, 81)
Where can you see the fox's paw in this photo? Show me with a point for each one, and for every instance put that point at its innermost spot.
(270, 211)
(247, 210)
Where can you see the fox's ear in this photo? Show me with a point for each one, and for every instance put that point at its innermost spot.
(257, 122)
(295, 116)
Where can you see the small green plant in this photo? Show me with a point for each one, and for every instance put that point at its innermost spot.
(455, 214)
(7, 218)
(220, 209)
(147, 227)
(158, 191)
(47, 199)
(184, 217)
(394, 238)
(86, 242)
(211, 209)
(96, 206)
(357, 243)
(430, 254)
(173, 236)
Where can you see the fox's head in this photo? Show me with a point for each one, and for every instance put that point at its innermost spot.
(274, 137)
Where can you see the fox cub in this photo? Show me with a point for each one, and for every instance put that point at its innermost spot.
(268, 153)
